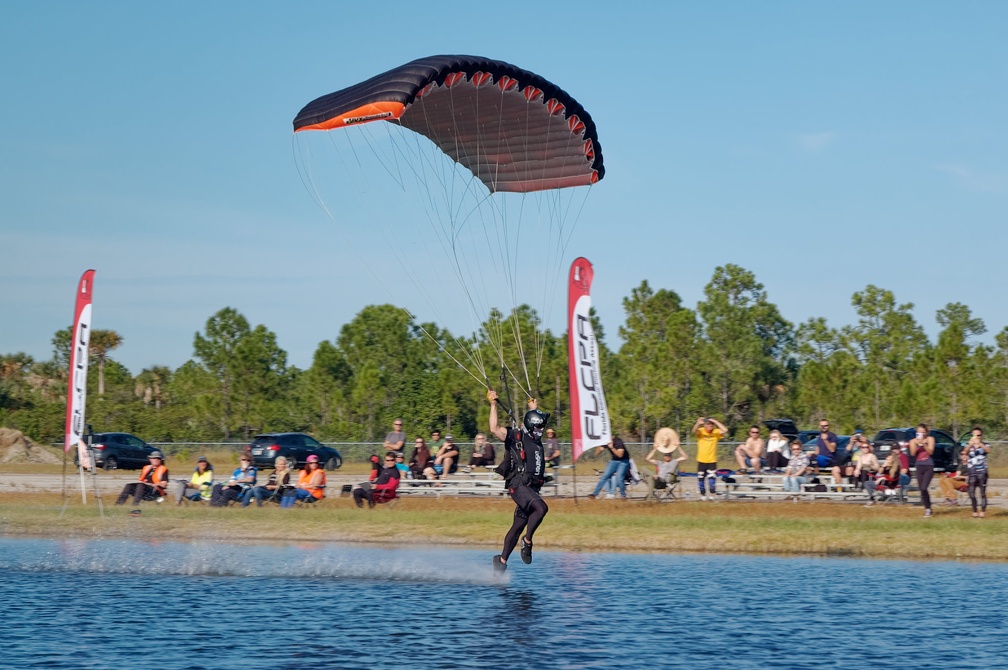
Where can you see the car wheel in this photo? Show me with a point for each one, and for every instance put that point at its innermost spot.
(111, 463)
(333, 463)
(291, 464)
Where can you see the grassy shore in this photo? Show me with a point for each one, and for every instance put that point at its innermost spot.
(820, 529)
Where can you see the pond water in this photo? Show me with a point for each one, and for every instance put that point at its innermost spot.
(124, 604)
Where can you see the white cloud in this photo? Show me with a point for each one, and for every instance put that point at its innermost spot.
(975, 180)
(814, 143)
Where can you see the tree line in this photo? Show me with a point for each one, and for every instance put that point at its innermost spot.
(733, 356)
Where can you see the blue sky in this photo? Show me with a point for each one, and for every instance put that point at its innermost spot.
(824, 146)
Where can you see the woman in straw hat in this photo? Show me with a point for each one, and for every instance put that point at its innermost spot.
(666, 443)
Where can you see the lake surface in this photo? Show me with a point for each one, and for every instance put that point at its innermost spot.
(124, 604)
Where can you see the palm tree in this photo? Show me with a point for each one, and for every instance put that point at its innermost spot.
(100, 343)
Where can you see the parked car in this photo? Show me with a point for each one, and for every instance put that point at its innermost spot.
(119, 450)
(946, 454)
(295, 447)
(789, 429)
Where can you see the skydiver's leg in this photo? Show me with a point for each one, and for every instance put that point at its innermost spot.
(537, 512)
(511, 537)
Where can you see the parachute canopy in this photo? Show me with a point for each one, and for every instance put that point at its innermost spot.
(514, 130)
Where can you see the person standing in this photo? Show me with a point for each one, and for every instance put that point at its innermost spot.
(976, 461)
(552, 446)
(524, 471)
(922, 447)
(615, 473)
(709, 431)
(395, 440)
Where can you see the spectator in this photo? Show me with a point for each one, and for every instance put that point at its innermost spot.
(955, 482)
(797, 469)
(921, 448)
(400, 463)
(482, 453)
(420, 459)
(201, 483)
(666, 442)
(311, 482)
(383, 486)
(435, 441)
(891, 475)
(278, 484)
(709, 432)
(777, 451)
(242, 478)
(749, 454)
(396, 439)
(866, 463)
(445, 461)
(976, 460)
(615, 473)
(827, 456)
(551, 449)
(152, 482)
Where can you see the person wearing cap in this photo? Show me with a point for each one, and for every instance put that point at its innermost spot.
(200, 484)
(666, 443)
(551, 447)
(241, 480)
(445, 460)
(152, 483)
(311, 482)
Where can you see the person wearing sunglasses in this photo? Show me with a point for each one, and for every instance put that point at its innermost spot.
(749, 454)
(383, 487)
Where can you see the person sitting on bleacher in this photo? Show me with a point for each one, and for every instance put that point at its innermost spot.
(311, 482)
(796, 469)
(482, 453)
(866, 464)
(382, 487)
(445, 461)
(890, 475)
(420, 459)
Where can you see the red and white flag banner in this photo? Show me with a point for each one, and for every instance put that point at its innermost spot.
(77, 382)
(590, 425)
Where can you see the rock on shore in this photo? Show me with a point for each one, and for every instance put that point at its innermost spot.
(16, 448)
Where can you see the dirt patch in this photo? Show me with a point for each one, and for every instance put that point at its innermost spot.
(16, 448)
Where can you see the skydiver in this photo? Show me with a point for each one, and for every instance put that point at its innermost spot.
(523, 468)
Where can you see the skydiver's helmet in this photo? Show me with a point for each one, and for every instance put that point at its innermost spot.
(535, 423)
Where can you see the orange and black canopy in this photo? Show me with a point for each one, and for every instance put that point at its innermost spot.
(514, 130)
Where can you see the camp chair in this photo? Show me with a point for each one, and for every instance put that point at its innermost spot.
(893, 490)
(668, 485)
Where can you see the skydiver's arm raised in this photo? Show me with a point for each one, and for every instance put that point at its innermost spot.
(496, 429)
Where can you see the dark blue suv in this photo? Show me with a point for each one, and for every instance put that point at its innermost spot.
(295, 447)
